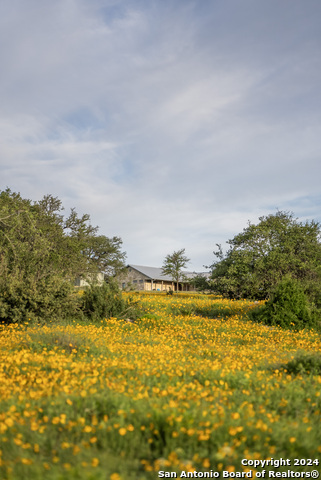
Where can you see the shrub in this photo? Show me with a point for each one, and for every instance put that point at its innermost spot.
(304, 363)
(44, 300)
(106, 301)
(288, 307)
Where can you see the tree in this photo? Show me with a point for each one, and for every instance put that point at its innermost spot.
(98, 252)
(260, 256)
(174, 264)
(105, 253)
(201, 283)
(41, 253)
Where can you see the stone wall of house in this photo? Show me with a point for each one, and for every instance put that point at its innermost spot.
(133, 279)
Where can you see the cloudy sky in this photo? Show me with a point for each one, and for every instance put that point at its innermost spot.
(171, 122)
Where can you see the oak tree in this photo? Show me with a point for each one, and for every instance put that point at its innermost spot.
(260, 256)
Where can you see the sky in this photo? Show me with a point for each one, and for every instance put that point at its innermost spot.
(172, 123)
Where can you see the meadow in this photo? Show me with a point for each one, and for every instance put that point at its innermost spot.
(193, 385)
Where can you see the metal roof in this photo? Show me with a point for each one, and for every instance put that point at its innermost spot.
(155, 273)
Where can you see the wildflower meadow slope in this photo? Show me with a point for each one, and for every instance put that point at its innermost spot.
(191, 386)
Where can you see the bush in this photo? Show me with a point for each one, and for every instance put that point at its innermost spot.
(288, 307)
(105, 301)
(27, 300)
(304, 363)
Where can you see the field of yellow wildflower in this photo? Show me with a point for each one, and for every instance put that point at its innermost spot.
(191, 386)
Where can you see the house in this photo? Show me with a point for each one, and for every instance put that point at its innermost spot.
(152, 278)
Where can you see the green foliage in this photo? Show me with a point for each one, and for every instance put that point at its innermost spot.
(312, 289)
(288, 307)
(25, 300)
(105, 253)
(105, 301)
(201, 283)
(174, 264)
(41, 253)
(304, 363)
(260, 256)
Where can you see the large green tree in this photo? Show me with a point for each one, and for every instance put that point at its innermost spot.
(106, 254)
(260, 256)
(41, 253)
(174, 264)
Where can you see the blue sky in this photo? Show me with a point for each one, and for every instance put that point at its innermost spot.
(171, 123)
